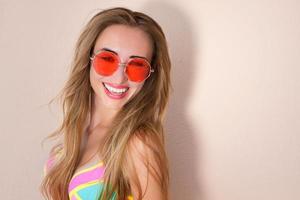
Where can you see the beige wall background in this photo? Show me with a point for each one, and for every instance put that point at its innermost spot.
(233, 123)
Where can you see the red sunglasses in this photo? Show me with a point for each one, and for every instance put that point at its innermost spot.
(106, 63)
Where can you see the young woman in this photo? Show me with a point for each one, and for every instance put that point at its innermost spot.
(113, 110)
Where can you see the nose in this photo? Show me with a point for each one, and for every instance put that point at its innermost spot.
(120, 76)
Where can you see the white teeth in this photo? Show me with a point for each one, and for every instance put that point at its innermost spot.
(115, 90)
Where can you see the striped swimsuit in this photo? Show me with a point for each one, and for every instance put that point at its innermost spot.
(86, 183)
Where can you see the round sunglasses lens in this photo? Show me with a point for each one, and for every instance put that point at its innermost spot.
(137, 70)
(105, 63)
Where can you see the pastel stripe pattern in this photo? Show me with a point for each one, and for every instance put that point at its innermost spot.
(88, 175)
(86, 184)
(51, 161)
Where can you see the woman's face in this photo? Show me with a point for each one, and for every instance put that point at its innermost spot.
(115, 90)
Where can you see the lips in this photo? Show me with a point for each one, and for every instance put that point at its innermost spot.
(116, 92)
(116, 86)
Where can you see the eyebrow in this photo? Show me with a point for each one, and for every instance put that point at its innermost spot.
(133, 56)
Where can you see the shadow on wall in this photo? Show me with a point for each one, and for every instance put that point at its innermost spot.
(182, 148)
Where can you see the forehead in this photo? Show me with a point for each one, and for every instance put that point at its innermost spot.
(125, 40)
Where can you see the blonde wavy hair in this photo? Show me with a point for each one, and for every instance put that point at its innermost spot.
(141, 117)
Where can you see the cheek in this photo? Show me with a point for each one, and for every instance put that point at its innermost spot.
(94, 77)
(136, 87)
(95, 80)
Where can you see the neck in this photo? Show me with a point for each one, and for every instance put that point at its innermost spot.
(101, 115)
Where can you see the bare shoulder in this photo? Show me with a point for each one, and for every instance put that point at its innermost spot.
(146, 161)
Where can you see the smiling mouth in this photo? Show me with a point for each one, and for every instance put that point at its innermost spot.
(115, 90)
(115, 93)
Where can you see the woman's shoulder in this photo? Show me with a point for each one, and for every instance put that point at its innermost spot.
(145, 143)
(146, 153)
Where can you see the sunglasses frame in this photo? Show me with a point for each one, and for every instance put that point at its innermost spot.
(124, 64)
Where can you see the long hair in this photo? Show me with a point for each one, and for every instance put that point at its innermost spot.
(141, 117)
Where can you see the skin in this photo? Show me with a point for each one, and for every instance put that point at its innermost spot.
(125, 41)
